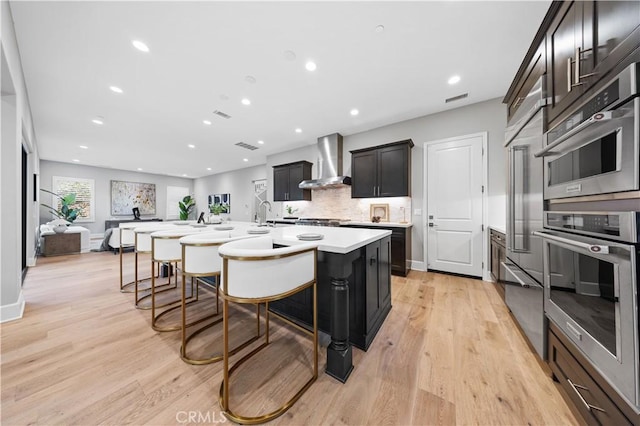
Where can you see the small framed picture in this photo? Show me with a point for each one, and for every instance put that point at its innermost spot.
(379, 212)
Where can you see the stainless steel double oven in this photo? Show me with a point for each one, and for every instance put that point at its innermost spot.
(592, 230)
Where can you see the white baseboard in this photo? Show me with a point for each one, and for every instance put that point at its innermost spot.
(417, 265)
(13, 311)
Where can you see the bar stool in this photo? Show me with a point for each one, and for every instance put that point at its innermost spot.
(127, 240)
(166, 249)
(142, 245)
(246, 265)
(200, 260)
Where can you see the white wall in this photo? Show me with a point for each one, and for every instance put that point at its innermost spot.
(17, 130)
(238, 183)
(103, 178)
(489, 116)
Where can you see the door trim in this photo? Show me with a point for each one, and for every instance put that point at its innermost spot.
(485, 201)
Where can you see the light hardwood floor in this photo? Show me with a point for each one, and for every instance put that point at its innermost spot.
(448, 353)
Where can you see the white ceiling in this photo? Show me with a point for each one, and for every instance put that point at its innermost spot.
(201, 52)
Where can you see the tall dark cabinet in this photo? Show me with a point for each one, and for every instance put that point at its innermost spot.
(382, 171)
(286, 178)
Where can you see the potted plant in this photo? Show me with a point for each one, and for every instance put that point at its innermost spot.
(186, 205)
(66, 211)
(290, 211)
(216, 209)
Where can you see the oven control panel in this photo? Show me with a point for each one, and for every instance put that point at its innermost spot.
(621, 226)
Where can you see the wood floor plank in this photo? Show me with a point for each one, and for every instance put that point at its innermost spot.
(448, 353)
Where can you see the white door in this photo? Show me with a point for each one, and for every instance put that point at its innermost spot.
(454, 205)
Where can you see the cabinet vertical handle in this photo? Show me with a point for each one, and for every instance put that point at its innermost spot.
(576, 69)
(569, 81)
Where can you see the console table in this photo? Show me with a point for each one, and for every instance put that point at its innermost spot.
(114, 223)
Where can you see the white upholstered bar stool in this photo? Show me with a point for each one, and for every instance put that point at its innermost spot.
(142, 245)
(166, 249)
(255, 272)
(127, 240)
(201, 262)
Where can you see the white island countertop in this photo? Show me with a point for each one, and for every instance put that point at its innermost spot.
(335, 239)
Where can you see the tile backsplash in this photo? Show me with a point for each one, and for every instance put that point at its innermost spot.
(337, 203)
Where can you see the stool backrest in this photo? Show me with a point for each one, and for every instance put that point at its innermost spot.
(143, 236)
(200, 252)
(253, 269)
(165, 244)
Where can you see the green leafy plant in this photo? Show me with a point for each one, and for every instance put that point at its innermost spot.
(290, 210)
(217, 209)
(66, 211)
(186, 205)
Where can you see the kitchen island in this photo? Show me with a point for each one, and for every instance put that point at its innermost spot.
(354, 287)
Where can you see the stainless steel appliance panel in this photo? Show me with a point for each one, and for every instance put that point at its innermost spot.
(590, 293)
(524, 297)
(524, 192)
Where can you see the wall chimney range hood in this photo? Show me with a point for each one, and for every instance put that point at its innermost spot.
(329, 165)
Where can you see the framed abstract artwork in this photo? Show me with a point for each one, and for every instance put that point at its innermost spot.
(127, 195)
(85, 195)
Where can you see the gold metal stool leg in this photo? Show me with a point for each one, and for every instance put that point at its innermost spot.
(227, 372)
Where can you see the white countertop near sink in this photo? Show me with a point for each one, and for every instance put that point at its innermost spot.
(336, 239)
(383, 224)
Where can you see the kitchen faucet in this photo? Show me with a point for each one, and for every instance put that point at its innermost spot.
(262, 219)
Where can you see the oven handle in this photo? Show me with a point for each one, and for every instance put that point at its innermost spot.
(592, 248)
(595, 118)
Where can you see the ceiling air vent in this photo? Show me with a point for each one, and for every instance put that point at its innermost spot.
(246, 146)
(456, 98)
(221, 114)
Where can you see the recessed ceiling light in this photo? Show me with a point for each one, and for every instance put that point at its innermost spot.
(245, 159)
(209, 168)
(289, 55)
(140, 46)
(245, 101)
(379, 28)
(191, 146)
(354, 112)
(184, 175)
(97, 121)
(310, 66)
(261, 142)
(298, 130)
(207, 122)
(139, 169)
(453, 79)
(115, 89)
(250, 79)
(83, 146)
(75, 160)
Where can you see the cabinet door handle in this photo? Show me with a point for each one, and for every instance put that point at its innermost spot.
(586, 404)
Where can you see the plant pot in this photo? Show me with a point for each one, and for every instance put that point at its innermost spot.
(59, 229)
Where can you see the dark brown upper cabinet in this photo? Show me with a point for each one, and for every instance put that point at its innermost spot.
(382, 171)
(588, 42)
(286, 178)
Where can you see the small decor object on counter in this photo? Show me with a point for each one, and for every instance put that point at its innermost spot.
(290, 211)
(258, 231)
(310, 237)
(379, 211)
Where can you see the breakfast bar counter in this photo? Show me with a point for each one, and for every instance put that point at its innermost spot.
(354, 286)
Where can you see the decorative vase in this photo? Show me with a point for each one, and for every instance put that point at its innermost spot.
(59, 229)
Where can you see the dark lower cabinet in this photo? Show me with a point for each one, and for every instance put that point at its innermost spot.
(583, 386)
(400, 247)
(369, 293)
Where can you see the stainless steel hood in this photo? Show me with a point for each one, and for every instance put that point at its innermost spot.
(329, 165)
